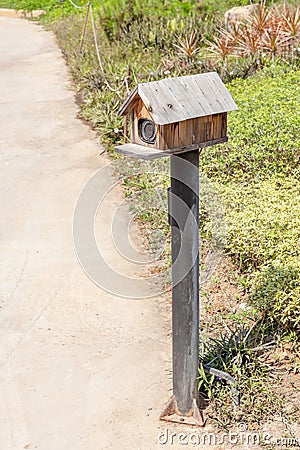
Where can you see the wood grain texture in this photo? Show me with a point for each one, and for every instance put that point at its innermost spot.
(144, 152)
(182, 98)
(179, 134)
(193, 131)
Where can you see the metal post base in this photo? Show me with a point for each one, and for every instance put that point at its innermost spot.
(171, 413)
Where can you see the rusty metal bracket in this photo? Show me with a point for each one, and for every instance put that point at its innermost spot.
(171, 413)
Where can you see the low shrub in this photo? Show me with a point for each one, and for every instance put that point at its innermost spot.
(276, 293)
(264, 135)
(257, 177)
(263, 231)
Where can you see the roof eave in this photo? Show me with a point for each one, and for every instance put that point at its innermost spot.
(128, 103)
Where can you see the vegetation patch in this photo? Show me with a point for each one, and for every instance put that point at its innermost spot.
(264, 134)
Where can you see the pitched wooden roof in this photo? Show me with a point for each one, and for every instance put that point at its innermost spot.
(181, 98)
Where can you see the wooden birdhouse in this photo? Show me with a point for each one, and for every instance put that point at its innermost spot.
(176, 115)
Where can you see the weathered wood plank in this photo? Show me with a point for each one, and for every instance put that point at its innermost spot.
(189, 128)
(175, 141)
(200, 102)
(132, 130)
(168, 132)
(179, 97)
(153, 97)
(181, 134)
(143, 152)
(160, 137)
(216, 125)
(224, 124)
(190, 97)
(129, 103)
(140, 151)
(222, 93)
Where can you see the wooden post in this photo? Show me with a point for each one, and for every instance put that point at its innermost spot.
(187, 113)
(185, 286)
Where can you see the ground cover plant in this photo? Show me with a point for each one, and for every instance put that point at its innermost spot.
(257, 177)
(255, 296)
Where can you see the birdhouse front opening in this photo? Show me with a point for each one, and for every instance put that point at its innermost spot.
(147, 130)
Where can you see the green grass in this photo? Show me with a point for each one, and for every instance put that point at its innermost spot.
(28, 5)
(257, 177)
(239, 353)
(264, 136)
(53, 8)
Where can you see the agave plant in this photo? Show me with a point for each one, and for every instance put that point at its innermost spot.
(221, 47)
(260, 20)
(291, 21)
(234, 34)
(275, 39)
(249, 42)
(273, 31)
(290, 24)
(188, 46)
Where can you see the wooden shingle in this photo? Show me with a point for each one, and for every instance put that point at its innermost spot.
(176, 99)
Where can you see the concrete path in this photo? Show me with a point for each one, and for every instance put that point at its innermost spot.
(79, 368)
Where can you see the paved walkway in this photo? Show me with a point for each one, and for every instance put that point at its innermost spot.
(79, 368)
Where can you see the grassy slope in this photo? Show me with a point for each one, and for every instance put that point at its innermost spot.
(257, 177)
